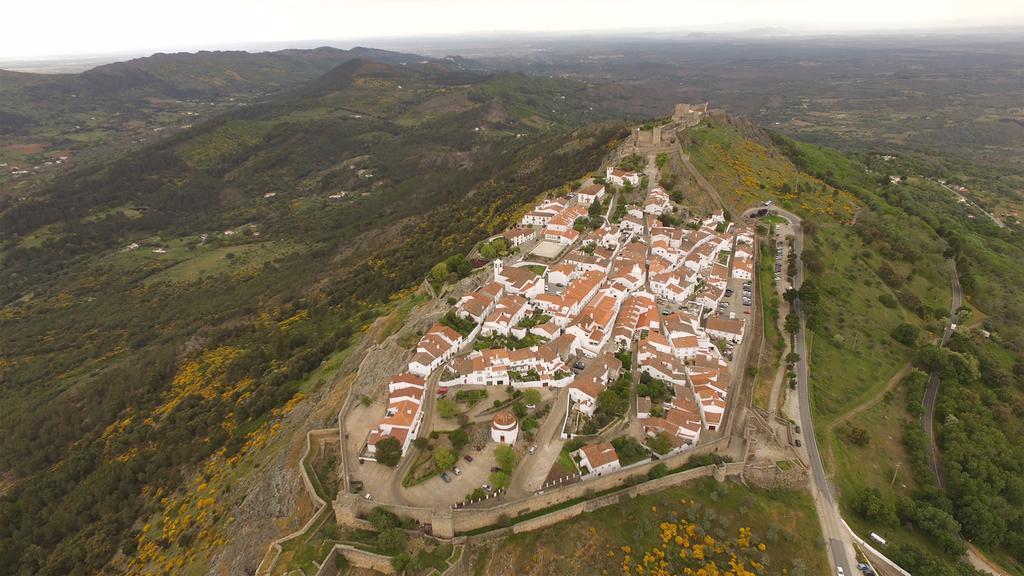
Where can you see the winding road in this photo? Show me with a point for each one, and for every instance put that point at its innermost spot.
(932, 393)
(834, 531)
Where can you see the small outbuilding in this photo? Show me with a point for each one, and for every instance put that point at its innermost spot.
(505, 428)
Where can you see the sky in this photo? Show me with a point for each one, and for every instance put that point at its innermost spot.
(94, 27)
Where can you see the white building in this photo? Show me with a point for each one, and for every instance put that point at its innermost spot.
(590, 194)
(598, 458)
(620, 177)
(505, 428)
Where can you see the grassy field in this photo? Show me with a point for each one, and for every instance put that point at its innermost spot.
(768, 361)
(593, 543)
(882, 464)
(851, 354)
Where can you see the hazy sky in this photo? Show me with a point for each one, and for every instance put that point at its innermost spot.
(84, 27)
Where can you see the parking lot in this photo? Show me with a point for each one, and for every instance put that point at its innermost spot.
(475, 474)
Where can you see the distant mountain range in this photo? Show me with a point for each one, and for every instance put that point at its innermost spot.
(28, 98)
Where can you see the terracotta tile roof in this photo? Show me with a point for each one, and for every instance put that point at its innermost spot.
(404, 414)
(599, 454)
(504, 420)
(407, 378)
(725, 325)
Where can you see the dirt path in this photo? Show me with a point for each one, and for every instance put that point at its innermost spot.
(867, 404)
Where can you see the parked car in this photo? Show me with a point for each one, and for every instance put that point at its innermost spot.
(797, 429)
(728, 292)
(533, 449)
(798, 443)
(457, 470)
(579, 365)
(495, 468)
(442, 390)
(368, 496)
(467, 458)
(446, 477)
(487, 487)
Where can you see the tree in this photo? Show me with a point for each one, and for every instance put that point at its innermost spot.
(581, 224)
(421, 443)
(792, 323)
(662, 443)
(790, 295)
(439, 273)
(661, 159)
(459, 265)
(392, 540)
(531, 396)
(487, 251)
(595, 209)
(444, 458)
(459, 438)
(506, 457)
(870, 505)
(905, 334)
(389, 451)
(610, 403)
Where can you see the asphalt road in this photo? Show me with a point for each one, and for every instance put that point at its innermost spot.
(840, 543)
(932, 393)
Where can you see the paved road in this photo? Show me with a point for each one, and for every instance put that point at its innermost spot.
(840, 543)
(932, 393)
(549, 446)
(392, 492)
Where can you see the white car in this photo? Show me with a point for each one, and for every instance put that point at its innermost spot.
(839, 571)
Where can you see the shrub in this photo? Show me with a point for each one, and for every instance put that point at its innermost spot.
(382, 519)
(662, 443)
(657, 472)
(905, 334)
(392, 541)
(444, 458)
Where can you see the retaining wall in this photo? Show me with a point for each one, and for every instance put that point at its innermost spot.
(446, 522)
(356, 558)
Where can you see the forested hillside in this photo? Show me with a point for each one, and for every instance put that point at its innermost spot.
(904, 230)
(878, 262)
(28, 100)
(163, 311)
(51, 123)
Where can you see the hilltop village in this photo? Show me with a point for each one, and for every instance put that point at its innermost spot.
(624, 326)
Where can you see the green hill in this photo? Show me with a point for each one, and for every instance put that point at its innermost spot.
(164, 310)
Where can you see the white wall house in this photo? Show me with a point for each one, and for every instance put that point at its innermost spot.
(598, 458)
